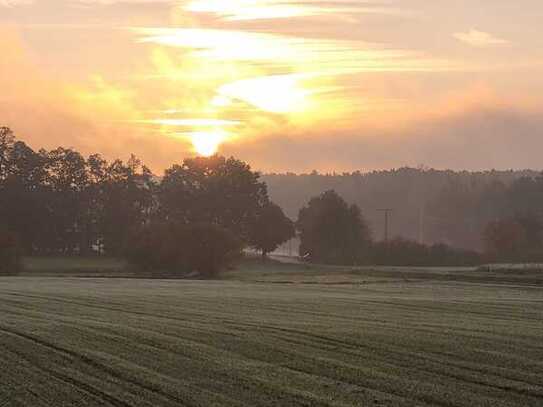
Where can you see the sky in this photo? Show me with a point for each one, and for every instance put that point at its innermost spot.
(328, 85)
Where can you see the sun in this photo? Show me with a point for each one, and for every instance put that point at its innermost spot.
(207, 143)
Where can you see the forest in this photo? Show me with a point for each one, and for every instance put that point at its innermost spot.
(59, 202)
(427, 205)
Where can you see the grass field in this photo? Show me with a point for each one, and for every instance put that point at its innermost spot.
(70, 266)
(273, 335)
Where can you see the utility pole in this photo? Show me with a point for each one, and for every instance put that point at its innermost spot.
(290, 247)
(387, 213)
(422, 215)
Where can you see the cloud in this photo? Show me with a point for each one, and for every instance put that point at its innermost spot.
(244, 10)
(477, 139)
(480, 39)
(472, 129)
(14, 3)
(293, 53)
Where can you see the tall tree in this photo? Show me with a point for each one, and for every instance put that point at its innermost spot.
(333, 232)
(68, 180)
(7, 140)
(23, 207)
(127, 200)
(271, 229)
(213, 190)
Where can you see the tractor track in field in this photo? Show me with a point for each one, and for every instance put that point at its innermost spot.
(354, 346)
(319, 338)
(350, 348)
(93, 364)
(84, 387)
(241, 343)
(119, 403)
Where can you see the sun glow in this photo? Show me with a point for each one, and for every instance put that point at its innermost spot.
(263, 79)
(191, 122)
(274, 94)
(207, 143)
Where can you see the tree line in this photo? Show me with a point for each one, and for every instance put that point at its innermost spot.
(202, 213)
(507, 219)
(430, 206)
(334, 232)
(59, 202)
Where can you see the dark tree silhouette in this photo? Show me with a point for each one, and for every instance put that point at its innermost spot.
(67, 179)
(213, 190)
(57, 202)
(271, 229)
(333, 232)
(9, 254)
(7, 140)
(23, 207)
(127, 203)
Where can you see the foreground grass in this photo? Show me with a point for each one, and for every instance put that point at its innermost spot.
(274, 335)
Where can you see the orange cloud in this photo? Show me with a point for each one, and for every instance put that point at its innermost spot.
(480, 39)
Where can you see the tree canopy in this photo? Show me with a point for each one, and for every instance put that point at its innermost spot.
(333, 232)
(59, 202)
(213, 190)
(271, 229)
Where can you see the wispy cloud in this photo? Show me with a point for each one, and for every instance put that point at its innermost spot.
(480, 39)
(294, 54)
(14, 3)
(191, 122)
(240, 10)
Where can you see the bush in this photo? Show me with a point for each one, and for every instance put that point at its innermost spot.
(9, 254)
(403, 252)
(181, 249)
(514, 240)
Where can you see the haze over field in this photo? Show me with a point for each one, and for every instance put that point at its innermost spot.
(327, 85)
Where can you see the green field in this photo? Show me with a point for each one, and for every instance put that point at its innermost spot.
(272, 335)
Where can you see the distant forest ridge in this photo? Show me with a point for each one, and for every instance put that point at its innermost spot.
(428, 205)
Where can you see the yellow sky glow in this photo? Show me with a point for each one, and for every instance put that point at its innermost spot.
(271, 73)
(275, 94)
(192, 122)
(242, 77)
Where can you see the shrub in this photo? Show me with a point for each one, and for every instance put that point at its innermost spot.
(9, 254)
(514, 240)
(404, 252)
(181, 249)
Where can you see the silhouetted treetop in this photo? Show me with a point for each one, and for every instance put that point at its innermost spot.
(215, 190)
(333, 232)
